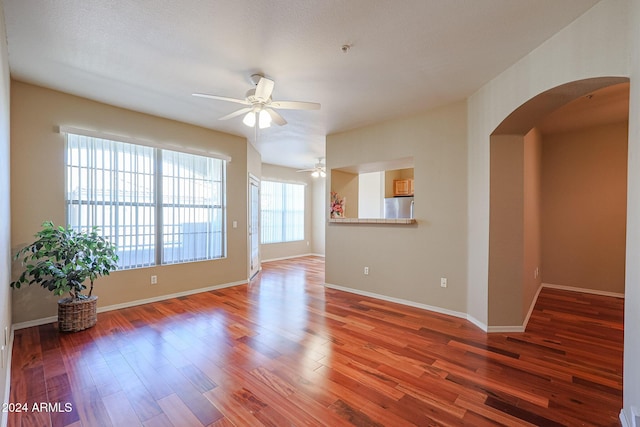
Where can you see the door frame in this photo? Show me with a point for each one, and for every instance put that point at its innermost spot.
(253, 269)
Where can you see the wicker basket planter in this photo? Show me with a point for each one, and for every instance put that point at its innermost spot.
(77, 315)
(62, 260)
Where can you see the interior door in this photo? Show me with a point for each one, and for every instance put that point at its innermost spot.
(254, 226)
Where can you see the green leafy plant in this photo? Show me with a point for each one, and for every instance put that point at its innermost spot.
(62, 259)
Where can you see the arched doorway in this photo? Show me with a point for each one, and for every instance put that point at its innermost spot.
(516, 232)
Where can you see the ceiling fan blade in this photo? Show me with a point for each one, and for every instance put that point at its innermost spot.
(295, 105)
(264, 89)
(276, 118)
(222, 98)
(306, 170)
(236, 113)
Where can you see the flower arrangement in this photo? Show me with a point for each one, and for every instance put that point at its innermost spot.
(337, 206)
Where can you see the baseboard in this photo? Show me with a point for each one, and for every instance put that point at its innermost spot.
(51, 319)
(400, 301)
(531, 307)
(291, 257)
(583, 290)
(7, 387)
(624, 420)
(478, 323)
(505, 329)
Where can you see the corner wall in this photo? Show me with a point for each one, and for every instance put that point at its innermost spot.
(37, 192)
(5, 214)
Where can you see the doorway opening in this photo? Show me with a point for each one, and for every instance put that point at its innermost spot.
(558, 197)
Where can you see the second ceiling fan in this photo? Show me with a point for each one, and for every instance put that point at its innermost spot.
(259, 108)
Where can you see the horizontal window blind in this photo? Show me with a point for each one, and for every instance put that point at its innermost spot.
(281, 211)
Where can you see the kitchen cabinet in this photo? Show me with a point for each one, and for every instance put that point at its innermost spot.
(403, 187)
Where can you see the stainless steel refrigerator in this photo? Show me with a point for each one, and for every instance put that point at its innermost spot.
(398, 207)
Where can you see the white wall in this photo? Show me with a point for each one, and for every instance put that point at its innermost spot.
(631, 378)
(5, 217)
(371, 195)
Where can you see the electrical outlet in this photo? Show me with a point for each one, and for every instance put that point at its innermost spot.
(366, 271)
(154, 280)
(443, 282)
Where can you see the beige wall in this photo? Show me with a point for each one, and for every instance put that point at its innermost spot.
(5, 218)
(346, 185)
(594, 45)
(506, 241)
(599, 43)
(514, 235)
(584, 190)
(407, 262)
(37, 183)
(319, 216)
(532, 223)
(290, 249)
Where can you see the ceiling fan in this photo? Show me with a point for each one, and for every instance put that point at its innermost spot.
(318, 170)
(260, 107)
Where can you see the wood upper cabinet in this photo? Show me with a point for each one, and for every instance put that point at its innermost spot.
(403, 187)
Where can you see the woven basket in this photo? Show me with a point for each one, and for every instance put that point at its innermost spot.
(77, 315)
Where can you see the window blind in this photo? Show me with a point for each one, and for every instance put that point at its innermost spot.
(157, 206)
(282, 212)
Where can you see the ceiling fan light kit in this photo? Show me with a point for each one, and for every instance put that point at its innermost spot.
(258, 103)
(319, 170)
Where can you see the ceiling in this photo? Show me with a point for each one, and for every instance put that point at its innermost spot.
(604, 106)
(151, 55)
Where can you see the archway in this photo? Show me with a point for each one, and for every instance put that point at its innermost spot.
(515, 242)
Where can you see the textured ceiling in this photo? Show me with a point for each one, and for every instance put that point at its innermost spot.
(150, 55)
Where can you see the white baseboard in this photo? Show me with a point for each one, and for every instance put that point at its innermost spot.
(624, 420)
(583, 290)
(531, 307)
(635, 417)
(51, 319)
(7, 386)
(404, 302)
(291, 257)
(478, 323)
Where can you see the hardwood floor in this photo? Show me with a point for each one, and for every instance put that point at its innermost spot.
(284, 350)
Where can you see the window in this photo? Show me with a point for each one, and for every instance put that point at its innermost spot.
(157, 206)
(282, 212)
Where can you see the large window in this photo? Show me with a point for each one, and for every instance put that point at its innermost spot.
(282, 212)
(157, 206)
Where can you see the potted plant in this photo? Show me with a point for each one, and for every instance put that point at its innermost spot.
(61, 260)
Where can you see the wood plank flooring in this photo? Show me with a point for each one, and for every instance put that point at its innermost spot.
(284, 351)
